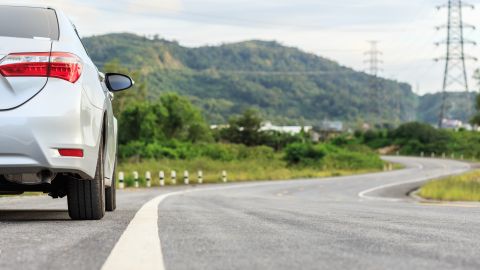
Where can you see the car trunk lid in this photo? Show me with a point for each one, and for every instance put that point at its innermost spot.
(24, 31)
(16, 90)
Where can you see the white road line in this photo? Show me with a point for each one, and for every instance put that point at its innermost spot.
(139, 246)
(363, 194)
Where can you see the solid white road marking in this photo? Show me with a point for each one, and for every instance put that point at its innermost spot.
(139, 247)
(364, 193)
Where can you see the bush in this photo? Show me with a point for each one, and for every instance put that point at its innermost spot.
(304, 154)
(327, 156)
(415, 137)
(349, 160)
(376, 139)
(184, 150)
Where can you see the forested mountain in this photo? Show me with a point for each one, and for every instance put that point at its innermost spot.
(458, 106)
(286, 84)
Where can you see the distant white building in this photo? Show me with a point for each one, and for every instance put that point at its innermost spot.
(219, 126)
(451, 124)
(455, 124)
(268, 126)
(332, 126)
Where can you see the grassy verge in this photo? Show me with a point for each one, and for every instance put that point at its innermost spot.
(238, 171)
(26, 194)
(465, 187)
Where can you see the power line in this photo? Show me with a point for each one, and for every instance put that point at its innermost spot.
(455, 73)
(221, 71)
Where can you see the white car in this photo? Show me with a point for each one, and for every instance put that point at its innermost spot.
(57, 130)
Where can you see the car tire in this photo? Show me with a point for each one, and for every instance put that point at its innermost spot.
(86, 198)
(111, 193)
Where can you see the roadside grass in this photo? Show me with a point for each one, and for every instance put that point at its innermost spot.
(465, 187)
(237, 171)
(26, 194)
(397, 166)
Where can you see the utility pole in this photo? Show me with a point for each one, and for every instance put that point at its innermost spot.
(455, 73)
(373, 60)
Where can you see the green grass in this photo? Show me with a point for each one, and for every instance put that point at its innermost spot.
(465, 187)
(238, 171)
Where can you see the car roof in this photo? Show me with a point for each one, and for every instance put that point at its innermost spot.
(13, 4)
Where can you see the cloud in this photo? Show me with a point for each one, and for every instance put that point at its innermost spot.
(335, 29)
(153, 6)
(70, 7)
(81, 13)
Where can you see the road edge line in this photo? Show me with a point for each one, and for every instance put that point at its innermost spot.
(139, 246)
(140, 242)
(363, 194)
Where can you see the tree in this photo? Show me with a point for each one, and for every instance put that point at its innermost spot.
(142, 121)
(137, 93)
(244, 129)
(170, 117)
(475, 120)
(184, 121)
(415, 137)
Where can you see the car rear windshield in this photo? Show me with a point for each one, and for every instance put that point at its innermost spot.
(28, 22)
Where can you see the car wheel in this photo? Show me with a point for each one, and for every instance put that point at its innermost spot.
(111, 193)
(86, 198)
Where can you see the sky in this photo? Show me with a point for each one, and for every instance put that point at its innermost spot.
(338, 30)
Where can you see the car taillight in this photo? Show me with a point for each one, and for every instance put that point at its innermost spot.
(65, 66)
(70, 152)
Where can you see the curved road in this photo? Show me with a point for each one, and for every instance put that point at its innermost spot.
(355, 222)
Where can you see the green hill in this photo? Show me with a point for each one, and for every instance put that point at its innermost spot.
(459, 106)
(286, 84)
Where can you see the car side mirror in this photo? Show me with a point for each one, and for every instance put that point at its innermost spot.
(118, 82)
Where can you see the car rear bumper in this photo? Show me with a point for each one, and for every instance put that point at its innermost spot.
(59, 117)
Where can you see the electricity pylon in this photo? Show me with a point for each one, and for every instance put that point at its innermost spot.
(455, 74)
(373, 60)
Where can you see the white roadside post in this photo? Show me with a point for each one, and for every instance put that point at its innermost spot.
(422, 154)
(461, 157)
(173, 176)
(433, 155)
(443, 155)
(224, 176)
(453, 156)
(200, 177)
(135, 177)
(161, 176)
(121, 179)
(148, 179)
(186, 180)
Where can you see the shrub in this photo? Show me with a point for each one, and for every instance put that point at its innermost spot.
(304, 154)
(344, 159)
(329, 156)
(184, 150)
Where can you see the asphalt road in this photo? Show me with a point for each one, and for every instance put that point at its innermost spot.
(356, 222)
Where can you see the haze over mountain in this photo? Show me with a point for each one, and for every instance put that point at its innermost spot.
(287, 85)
